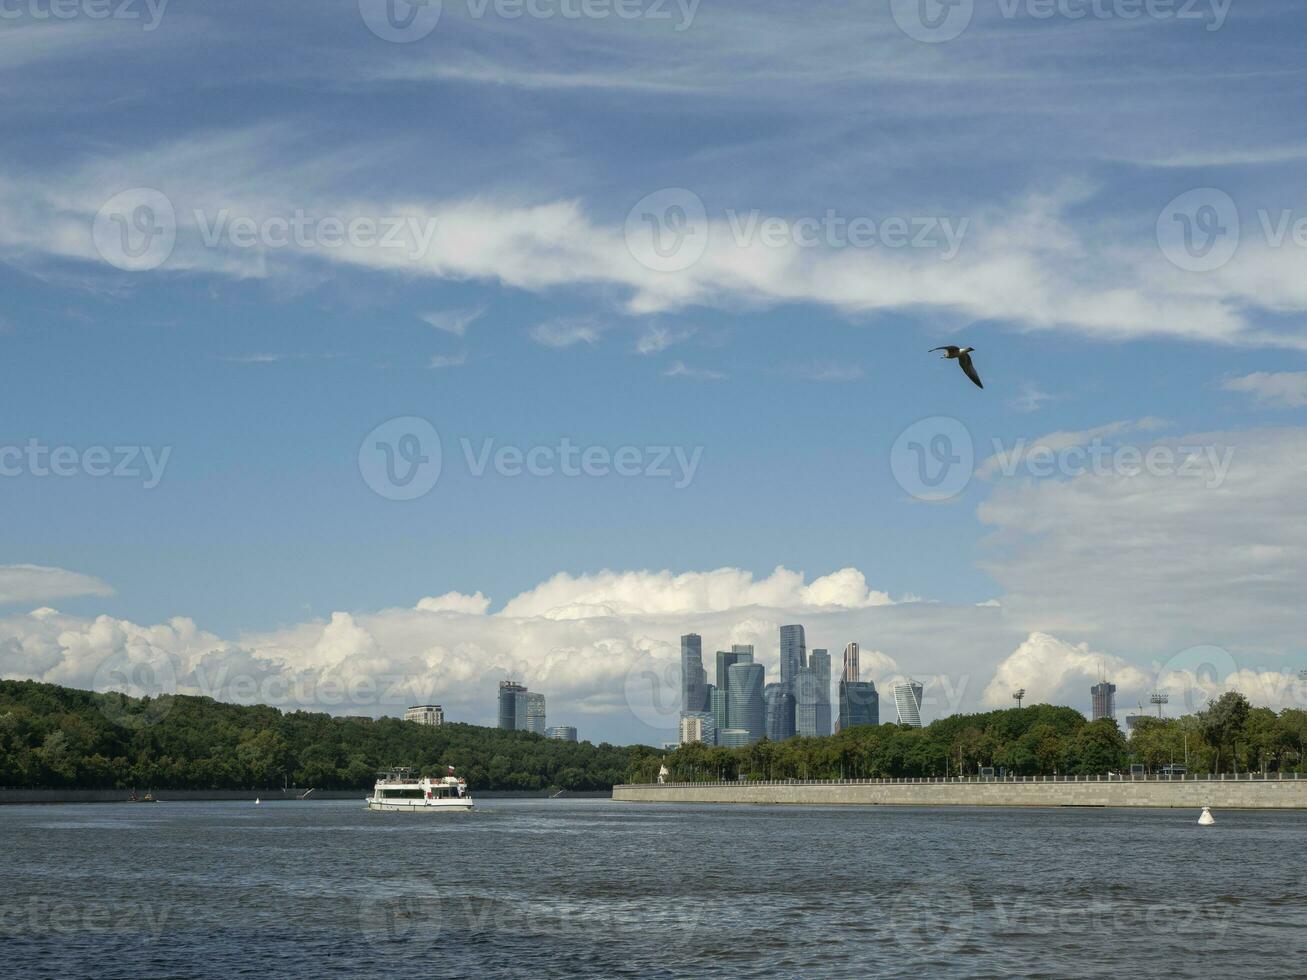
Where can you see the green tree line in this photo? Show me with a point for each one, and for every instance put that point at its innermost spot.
(53, 737)
(1229, 735)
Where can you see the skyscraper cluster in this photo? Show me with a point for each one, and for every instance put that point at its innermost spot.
(741, 708)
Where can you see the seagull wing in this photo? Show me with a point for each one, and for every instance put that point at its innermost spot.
(969, 369)
(952, 351)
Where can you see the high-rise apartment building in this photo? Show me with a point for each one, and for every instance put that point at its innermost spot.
(561, 733)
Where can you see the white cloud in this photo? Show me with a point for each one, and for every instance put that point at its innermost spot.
(1282, 389)
(664, 593)
(472, 605)
(566, 333)
(1006, 461)
(1023, 262)
(657, 338)
(32, 583)
(679, 369)
(448, 360)
(1055, 672)
(1031, 399)
(454, 321)
(1157, 561)
(826, 372)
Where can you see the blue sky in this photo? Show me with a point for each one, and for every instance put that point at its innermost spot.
(1060, 144)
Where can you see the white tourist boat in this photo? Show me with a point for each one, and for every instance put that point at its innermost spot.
(401, 790)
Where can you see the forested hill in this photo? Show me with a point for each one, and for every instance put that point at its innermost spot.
(54, 736)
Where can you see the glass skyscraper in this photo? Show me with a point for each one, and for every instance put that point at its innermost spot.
(717, 702)
(508, 700)
(907, 699)
(726, 659)
(819, 664)
(859, 704)
(1104, 695)
(745, 705)
(694, 681)
(794, 655)
(778, 705)
(535, 714)
(851, 654)
(805, 703)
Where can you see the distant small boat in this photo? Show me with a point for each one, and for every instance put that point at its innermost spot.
(257, 801)
(147, 798)
(1206, 819)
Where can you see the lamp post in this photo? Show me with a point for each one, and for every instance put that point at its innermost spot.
(1017, 696)
(1159, 700)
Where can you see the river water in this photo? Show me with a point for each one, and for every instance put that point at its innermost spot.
(591, 888)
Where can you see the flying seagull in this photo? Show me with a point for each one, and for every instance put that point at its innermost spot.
(963, 356)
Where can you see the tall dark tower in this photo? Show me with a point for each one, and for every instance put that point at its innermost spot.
(1104, 695)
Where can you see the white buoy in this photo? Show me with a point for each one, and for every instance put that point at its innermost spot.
(257, 801)
(1206, 819)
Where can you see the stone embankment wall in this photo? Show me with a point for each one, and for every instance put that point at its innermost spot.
(1256, 794)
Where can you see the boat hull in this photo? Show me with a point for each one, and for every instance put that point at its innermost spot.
(419, 806)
